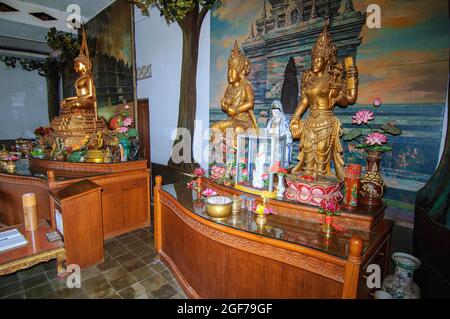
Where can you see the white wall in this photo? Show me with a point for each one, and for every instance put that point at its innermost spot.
(161, 46)
(23, 102)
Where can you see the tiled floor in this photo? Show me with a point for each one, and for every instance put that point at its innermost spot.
(131, 270)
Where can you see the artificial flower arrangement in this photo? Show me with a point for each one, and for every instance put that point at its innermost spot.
(277, 169)
(329, 205)
(122, 126)
(377, 139)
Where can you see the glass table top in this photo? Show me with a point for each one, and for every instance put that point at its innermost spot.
(293, 230)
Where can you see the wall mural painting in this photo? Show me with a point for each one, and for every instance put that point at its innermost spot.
(110, 39)
(405, 63)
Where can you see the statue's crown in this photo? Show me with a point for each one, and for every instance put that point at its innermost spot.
(238, 60)
(324, 47)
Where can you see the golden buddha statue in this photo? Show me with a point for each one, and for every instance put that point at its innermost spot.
(78, 121)
(238, 100)
(323, 87)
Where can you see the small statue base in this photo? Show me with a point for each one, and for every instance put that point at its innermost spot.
(309, 190)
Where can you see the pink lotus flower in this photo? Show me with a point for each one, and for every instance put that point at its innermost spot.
(376, 138)
(123, 129)
(265, 176)
(190, 185)
(199, 172)
(363, 116)
(245, 171)
(377, 102)
(128, 121)
(209, 192)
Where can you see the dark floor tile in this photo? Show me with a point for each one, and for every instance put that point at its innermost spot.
(179, 295)
(8, 279)
(70, 293)
(109, 240)
(93, 282)
(115, 273)
(150, 258)
(108, 264)
(157, 266)
(114, 252)
(167, 275)
(133, 265)
(51, 295)
(141, 231)
(143, 272)
(35, 281)
(164, 292)
(128, 240)
(127, 257)
(49, 265)
(153, 283)
(18, 295)
(89, 272)
(123, 282)
(135, 291)
(121, 236)
(101, 292)
(114, 295)
(12, 288)
(52, 274)
(58, 284)
(30, 272)
(140, 250)
(39, 291)
(175, 285)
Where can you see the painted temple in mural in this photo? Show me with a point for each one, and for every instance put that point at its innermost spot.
(278, 44)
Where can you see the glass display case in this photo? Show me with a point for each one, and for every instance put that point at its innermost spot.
(254, 158)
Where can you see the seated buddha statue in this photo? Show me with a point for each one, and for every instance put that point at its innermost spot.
(84, 85)
(322, 88)
(238, 100)
(77, 122)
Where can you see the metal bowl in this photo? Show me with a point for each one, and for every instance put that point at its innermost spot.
(219, 207)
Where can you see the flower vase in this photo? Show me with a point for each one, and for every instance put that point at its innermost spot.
(126, 145)
(327, 227)
(372, 183)
(280, 187)
(401, 285)
(261, 220)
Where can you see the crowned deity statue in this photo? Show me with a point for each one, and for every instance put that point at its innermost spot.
(238, 101)
(278, 126)
(323, 87)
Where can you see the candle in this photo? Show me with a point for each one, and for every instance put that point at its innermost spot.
(30, 211)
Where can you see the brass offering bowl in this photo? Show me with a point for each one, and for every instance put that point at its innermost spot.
(219, 207)
(95, 156)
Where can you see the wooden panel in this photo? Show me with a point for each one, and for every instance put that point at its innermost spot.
(215, 270)
(83, 229)
(112, 211)
(11, 211)
(135, 202)
(144, 129)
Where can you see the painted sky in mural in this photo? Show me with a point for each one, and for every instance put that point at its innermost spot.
(405, 61)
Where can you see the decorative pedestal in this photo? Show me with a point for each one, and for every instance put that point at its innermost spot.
(311, 192)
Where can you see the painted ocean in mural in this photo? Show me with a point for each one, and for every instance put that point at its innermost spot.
(405, 63)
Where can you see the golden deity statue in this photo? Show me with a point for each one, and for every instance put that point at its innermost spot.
(238, 101)
(323, 87)
(77, 122)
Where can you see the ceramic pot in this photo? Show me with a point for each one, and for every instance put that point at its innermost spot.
(401, 285)
(280, 187)
(372, 183)
(126, 144)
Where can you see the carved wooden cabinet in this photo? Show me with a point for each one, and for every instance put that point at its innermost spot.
(125, 202)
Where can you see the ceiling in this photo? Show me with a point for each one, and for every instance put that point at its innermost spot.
(20, 31)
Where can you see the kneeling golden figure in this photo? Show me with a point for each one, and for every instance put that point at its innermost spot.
(238, 101)
(323, 87)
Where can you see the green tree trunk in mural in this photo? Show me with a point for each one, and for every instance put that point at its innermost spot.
(188, 90)
(189, 15)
